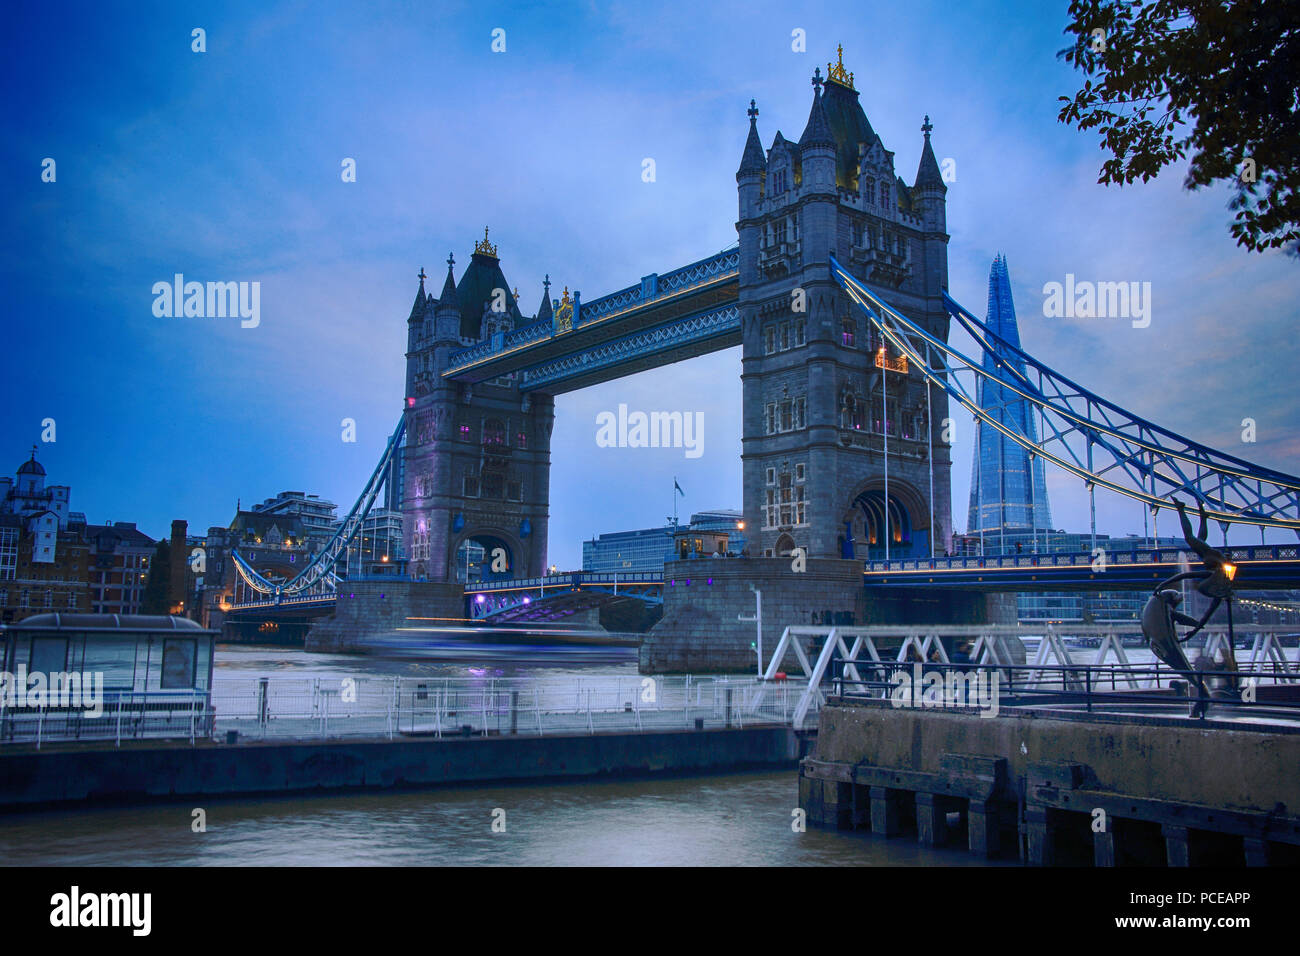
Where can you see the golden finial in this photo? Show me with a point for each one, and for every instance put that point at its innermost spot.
(836, 73)
(485, 248)
(565, 301)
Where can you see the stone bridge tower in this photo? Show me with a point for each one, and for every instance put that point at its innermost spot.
(477, 458)
(822, 393)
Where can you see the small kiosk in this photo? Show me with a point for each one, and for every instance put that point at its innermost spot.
(153, 676)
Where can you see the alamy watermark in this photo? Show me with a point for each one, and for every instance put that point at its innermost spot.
(55, 689)
(651, 430)
(977, 688)
(213, 300)
(1101, 300)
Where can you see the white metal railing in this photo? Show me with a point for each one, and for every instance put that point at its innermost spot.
(306, 708)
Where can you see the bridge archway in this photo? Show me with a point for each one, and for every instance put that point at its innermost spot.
(871, 511)
(485, 554)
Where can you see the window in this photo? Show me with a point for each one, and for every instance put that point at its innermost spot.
(787, 417)
(8, 553)
(848, 329)
(72, 600)
(470, 484)
(521, 440)
(771, 419)
(178, 664)
(770, 338)
(49, 654)
(870, 191)
(464, 432)
(800, 405)
(779, 232)
(798, 332)
(494, 432)
(785, 336)
(856, 231)
(799, 472)
(771, 508)
(884, 194)
(771, 476)
(493, 485)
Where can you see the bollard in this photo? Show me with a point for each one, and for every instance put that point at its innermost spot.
(262, 702)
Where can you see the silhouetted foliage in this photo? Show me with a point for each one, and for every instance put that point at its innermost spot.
(1216, 79)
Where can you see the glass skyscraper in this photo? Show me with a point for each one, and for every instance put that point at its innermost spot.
(1008, 491)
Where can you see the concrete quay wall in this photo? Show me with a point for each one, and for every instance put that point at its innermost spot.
(1223, 793)
(138, 773)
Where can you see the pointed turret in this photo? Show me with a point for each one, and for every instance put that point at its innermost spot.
(753, 161)
(447, 322)
(753, 166)
(818, 130)
(448, 298)
(927, 172)
(421, 301)
(817, 144)
(545, 313)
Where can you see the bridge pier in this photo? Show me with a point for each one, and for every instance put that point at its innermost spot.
(367, 609)
(703, 598)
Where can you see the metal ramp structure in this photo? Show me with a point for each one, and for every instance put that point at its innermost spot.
(988, 647)
(856, 649)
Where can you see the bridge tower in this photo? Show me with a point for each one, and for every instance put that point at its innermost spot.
(823, 395)
(477, 457)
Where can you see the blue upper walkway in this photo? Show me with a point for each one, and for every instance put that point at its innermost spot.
(663, 319)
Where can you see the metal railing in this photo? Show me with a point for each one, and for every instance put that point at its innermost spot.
(320, 708)
(1254, 692)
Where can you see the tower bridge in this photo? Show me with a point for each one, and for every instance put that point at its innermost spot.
(837, 292)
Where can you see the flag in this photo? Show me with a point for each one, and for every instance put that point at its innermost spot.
(679, 488)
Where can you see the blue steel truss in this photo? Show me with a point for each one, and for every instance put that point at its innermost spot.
(1082, 432)
(652, 290)
(318, 577)
(639, 345)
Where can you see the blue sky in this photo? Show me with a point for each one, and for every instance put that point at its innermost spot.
(225, 165)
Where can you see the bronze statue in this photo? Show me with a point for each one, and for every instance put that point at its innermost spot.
(1160, 616)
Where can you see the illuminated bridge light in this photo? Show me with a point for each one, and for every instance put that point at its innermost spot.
(480, 599)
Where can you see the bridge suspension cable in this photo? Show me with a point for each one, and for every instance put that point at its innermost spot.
(1083, 433)
(319, 574)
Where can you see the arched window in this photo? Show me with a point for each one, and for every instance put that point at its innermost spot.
(494, 432)
(884, 194)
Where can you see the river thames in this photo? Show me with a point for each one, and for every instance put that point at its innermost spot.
(722, 820)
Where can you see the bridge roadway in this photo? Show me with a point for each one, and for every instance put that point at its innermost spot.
(664, 319)
(1262, 568)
